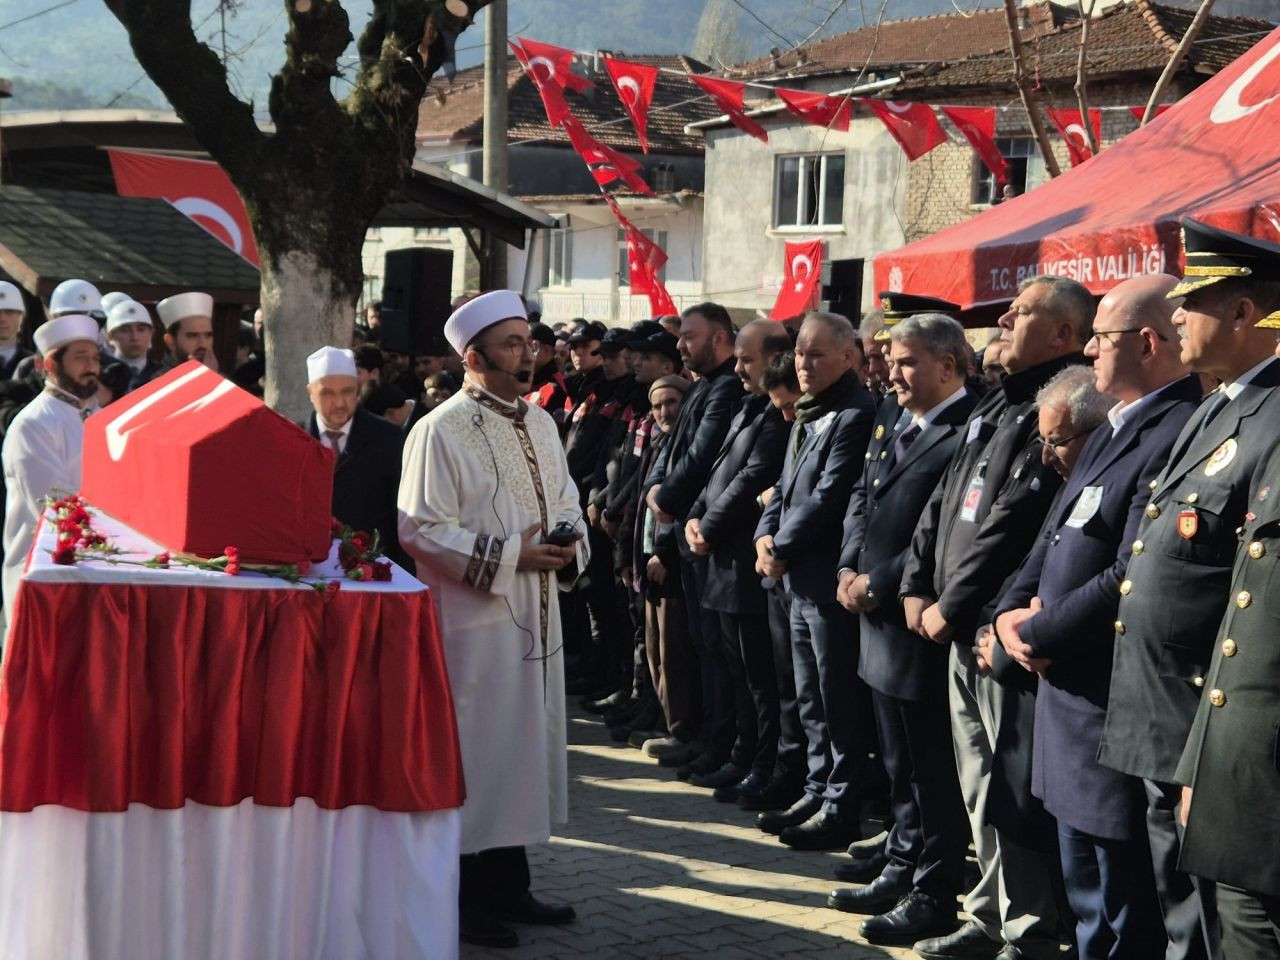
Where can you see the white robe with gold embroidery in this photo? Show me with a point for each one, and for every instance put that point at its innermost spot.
(461, 521)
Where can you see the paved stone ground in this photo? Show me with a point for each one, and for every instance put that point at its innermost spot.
(656, 868)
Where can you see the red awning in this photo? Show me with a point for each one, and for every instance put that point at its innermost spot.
(1213, 156)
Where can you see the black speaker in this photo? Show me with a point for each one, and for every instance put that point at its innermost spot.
(417, 285)
(842, 291)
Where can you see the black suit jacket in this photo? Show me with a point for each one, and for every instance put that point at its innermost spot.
(750, 462)
(886, 503)
(366, 479)
(1076, 569)
(8, 368)
(1179, 584)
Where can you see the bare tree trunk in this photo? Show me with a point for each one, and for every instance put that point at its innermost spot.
(1180, 54)
(1029, 101)
(1082, 71)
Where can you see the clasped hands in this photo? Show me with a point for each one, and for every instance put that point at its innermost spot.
(536, 555)
(693, 536)
(852, 592)
(767, 565)
(1009, 625)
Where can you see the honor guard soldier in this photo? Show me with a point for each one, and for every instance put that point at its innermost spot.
(1179, 577)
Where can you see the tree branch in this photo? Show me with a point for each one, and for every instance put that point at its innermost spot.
(1171, 68)
(1028, 95)
(1082, 69)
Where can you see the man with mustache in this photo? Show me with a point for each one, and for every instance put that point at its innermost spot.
(188, 332)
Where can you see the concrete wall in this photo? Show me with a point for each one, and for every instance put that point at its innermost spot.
(743, 253)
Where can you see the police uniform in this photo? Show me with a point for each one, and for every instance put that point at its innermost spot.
(896, 307)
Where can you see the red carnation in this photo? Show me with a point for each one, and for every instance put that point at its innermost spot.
(361, 541)
(304, 567)
(382, 570)
(332, 587)
(65, 555)
(233, 561)
(162, 560)
(335, 528)
(348, 557)
(80, 515)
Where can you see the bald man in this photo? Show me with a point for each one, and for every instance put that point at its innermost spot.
(1077, 572)
(744, 721)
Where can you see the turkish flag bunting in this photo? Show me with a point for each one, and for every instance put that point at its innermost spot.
(634, 83)
(606, 164)
(800, 282)
(728, 97)
(1140, 112)
(198, 188)
(552, 93)
(660, 302)
(978, 126)
(818, 108)
(553, 63)
(1072, 129)
(913, 125)
(644, 257)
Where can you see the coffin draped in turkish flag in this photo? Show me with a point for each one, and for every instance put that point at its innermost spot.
(1212, 156)
(197, 464)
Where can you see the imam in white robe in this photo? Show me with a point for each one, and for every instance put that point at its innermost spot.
(477, 473)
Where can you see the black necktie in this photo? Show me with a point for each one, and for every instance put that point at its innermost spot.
(905, 439)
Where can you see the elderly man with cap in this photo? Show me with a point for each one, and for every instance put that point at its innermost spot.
(42, 448)
(130, 330)
(12, 310)
(366, 448)
(188, 332)
(489, 513)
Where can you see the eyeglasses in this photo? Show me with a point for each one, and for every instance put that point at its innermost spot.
(1060, 442)
(1101, 335)
(514, 346)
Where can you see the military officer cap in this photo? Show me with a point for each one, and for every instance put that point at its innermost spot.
(899, 306)
(616, 339)
(1214, 255)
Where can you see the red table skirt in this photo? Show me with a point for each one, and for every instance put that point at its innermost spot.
(116, 694)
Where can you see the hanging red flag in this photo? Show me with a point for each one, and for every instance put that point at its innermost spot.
(728, 97)
(634, 83)
(544, 79)
(1072, 129)
(606, 164)
(833, 112)
(800, 281)
(556, 63)
(913, 125)
(660, 302)
(1140, 112)
(978, 126)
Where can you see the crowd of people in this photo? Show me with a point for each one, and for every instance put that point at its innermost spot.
(1014, 601)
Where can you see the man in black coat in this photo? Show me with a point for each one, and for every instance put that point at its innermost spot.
(916, 883)
(677, 480)
(978, 527)
(1179, 574)
(1076, 572)
(719, 528)
(550, 385)
(366, 449)
(798, 542)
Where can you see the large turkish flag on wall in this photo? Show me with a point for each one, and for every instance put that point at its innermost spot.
(800, 285)
(198, 188)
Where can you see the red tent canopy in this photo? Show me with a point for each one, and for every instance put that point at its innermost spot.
(1213, 156)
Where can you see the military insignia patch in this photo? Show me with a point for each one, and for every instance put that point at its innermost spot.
(1221, 458)
(1188, 524)
(880, 432)
(1264, 493)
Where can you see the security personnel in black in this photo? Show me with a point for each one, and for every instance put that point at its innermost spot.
(1230, 763)
(550, 385)
(1178, 580)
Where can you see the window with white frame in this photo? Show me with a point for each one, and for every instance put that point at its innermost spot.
(1017, 152)
(560, 254)
(808, 190)
(624, 271)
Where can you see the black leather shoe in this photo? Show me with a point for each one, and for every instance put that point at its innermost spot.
(776, 795)
(916, 916)
(861, 849)
(611, 700)
(483, 930)
(825, 830)
(749, 785)
(775, 821)
(702, 766)
(529, 909)
(725, 775)
(876, 897)
(679, 756)
(861, 871)
(967, 943)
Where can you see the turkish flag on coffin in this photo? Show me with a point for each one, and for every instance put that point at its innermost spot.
(800, 282)
(197, 464)
(198, 188)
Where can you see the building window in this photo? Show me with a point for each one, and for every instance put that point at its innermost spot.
(624, 272)
(427, 233)
(1016, 152)
(808, 191)
(560, 254)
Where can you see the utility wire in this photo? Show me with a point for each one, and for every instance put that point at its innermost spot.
(38, 13)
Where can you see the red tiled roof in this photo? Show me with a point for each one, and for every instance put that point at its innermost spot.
(456, 111)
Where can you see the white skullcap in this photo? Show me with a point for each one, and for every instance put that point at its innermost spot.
(62, 330)
(109, 300)
(74, 296)
(124, 312)
(11, 297)
(183, 305)
(330, 362)
(465, 323)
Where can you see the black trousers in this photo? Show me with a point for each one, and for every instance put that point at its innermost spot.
(1250, 923)
(611, 642)
(491, 878)
(1187, 903)
(749, 648)
(789, 765)
(718, 727)
(930, 830)
(1111, 890)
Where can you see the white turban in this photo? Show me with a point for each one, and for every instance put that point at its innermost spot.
(466, 323)
(330, 362)
(62, 330)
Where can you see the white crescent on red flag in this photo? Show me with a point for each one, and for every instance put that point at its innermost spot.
(198, 188)
(800, 285)
(543, 77)
(634, 83)
(728, 96)
(555, 63)
(1073, 132)
(820, 109)
(913, 125)
(978, 126)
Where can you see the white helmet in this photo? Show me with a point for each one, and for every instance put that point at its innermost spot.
(109, 300)
(11, 298)
(127, 311)
(75, 296)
